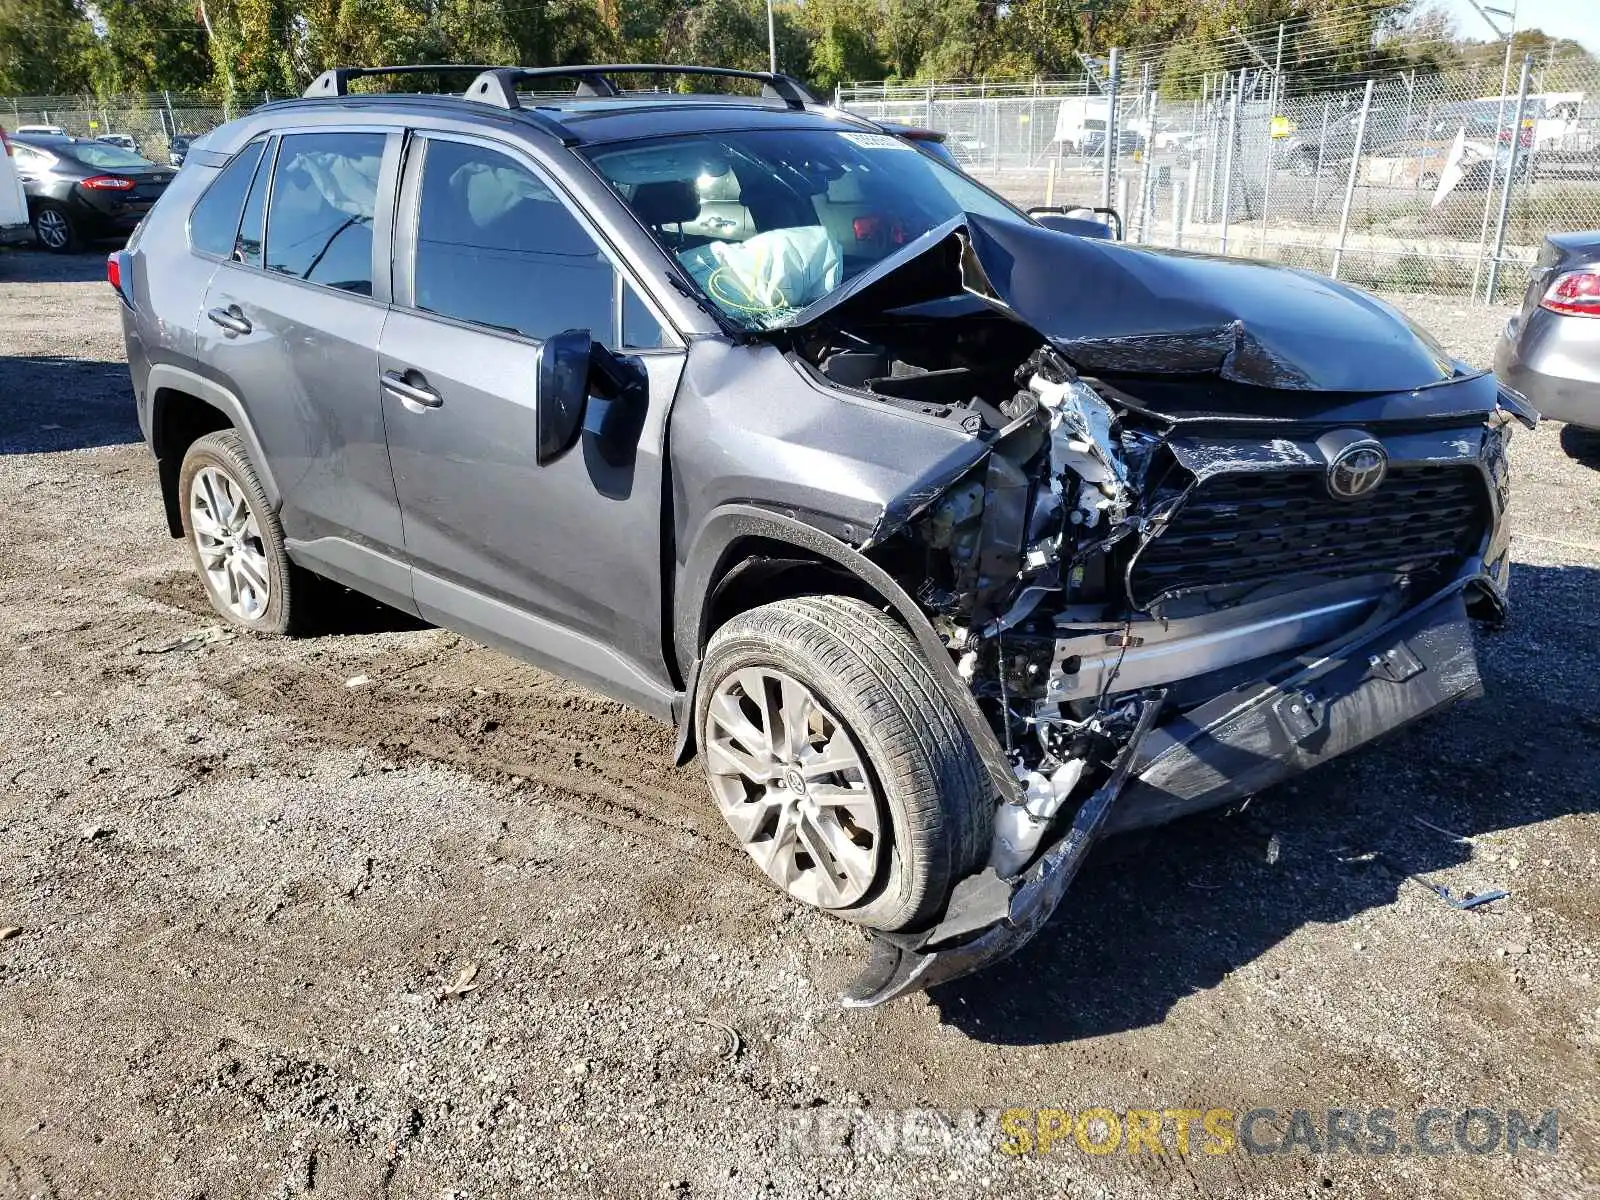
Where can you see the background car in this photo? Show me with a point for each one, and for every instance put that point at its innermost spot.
(79, 189)
(42, 130)
(1128, 142)
(1550, 351)
(119, 139)
(14, 225)
(178, 147)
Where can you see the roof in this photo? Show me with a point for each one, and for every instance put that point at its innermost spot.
(596, 109)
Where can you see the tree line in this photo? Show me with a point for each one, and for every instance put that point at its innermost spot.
(243, 48)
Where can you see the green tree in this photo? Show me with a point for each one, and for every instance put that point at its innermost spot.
(46, 46)
(147, 45)
(254, 44)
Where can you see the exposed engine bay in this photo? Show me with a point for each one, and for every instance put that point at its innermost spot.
(1218, 522)
(1099, 550)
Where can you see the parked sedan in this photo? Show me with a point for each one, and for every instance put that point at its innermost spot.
(79, 189)
(1550, 351)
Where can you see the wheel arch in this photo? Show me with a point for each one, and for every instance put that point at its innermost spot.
(723, 576)
(184, 407)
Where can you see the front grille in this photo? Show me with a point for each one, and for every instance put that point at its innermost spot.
(1251, 528)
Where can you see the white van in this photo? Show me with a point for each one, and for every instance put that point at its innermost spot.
(14, 225)
(1078, 118)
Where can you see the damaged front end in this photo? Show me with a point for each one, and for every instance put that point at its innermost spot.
(1223, 521)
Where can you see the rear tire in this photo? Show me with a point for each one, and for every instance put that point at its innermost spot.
(55, 229)
(235, 539)
(920, 814)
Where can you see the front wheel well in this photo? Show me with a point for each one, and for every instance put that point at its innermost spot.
(178, 420)
(762, 571)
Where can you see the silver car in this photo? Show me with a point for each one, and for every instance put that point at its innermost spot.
(1550, 351)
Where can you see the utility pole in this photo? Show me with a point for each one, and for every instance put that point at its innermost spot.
(772, 40)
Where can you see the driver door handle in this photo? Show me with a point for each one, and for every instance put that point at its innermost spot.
(232, 320)
(417, 394)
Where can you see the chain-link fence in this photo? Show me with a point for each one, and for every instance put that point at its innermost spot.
(1411, 182)
(152, 119)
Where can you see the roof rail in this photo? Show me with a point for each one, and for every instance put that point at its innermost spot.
(498, 85)
(335, 82)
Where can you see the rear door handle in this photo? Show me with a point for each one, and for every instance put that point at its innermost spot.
(232, 321)
(416, 395)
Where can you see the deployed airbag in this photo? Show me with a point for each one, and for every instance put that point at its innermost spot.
(773, 272)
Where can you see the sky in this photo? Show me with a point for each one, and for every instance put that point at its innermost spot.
(1576, 19)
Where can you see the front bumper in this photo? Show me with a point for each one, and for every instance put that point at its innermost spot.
(1243, 741)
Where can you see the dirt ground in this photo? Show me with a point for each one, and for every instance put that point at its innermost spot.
(254, 879)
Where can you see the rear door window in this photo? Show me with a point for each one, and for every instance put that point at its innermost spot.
(319, 217)
(496, 247)
(214, 223)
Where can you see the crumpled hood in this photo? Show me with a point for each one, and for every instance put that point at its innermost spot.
(1118, 309)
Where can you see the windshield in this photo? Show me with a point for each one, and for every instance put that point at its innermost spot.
(106, 156)
(768, 222)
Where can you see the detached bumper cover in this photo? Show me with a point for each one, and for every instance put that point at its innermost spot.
(1241, 742)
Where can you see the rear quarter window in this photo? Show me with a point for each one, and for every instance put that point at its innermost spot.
(214, 223)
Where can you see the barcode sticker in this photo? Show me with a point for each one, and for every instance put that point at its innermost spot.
(877, 141)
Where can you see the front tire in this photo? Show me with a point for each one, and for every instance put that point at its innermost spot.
(55, 229)
(838, 761)
(235, 539)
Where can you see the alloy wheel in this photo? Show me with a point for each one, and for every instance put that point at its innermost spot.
(232, 552)
(53, 229)
(791, 784)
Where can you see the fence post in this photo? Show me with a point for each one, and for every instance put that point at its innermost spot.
(1227, 168)
(1316, 174)
(1109, 165)
(1194, 192)
(1511, 182)
(1350, 184)
(1178, 189)
(1422, 152)
(1494, 159)
(1272, 115)
(1144, 173)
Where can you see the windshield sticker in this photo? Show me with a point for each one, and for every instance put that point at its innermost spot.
(877, 141)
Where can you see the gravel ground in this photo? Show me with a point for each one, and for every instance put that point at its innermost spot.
(462, 930)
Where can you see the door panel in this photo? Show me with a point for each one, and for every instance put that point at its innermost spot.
(576, 542)
(562, 561)
(308, 373)
(304, 357)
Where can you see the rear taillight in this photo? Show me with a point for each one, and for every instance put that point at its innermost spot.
(114, 270)
(108, 183)
(1575, 294)
(5, 144)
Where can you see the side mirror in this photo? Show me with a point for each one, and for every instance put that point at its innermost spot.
(564, 363)
(572, 365)
(1056, 218)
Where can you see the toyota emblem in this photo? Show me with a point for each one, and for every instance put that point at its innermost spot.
(1357, 470)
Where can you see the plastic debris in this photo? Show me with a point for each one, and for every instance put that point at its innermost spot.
(1468, 900)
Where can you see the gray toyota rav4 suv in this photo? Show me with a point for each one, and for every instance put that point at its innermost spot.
(949, 540)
